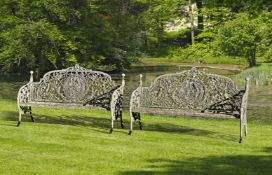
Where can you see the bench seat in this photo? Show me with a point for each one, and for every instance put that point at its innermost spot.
(60, 105)
(176, 112)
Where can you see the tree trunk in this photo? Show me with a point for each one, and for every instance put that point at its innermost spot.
(125, 6)
(200, 25)
(191, 21)
(252, 59)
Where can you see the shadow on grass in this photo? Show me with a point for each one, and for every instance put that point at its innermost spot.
(268, 149)
(172, 128)
(72, 120)
(225, 165)
(260, 115)
(105, 123)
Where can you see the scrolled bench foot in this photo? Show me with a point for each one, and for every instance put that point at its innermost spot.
(122, 126)
(32, 119)
(130, 132)
(240, 141)
(111, 130)
(140, 125)
(30, 113)
(18, 124)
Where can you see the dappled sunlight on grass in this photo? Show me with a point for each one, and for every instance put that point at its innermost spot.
(231, 164)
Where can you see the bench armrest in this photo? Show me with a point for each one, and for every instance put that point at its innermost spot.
(117, 95)
(244, 98)
(135, 99)
(24, 94)
(110, 99)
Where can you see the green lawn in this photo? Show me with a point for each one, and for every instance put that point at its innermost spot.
(261, 74)
(63, 141)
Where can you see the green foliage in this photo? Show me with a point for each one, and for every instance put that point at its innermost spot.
(153, 21)
(242, 43)
(268, 55)
(215, 16)
(50, 34)
(247, 36)
(244, 37)
(202, 53)
(193, 53)
(180, 38)
(33, 44)
(265, 47)
(33, 35)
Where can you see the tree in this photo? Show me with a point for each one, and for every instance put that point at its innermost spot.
(265, 47)
(192, 22)
(35, 45)
(200, 19)
(240, 37)
(51, 34)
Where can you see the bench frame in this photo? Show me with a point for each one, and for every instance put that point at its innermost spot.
(191, 93)
(70, 88)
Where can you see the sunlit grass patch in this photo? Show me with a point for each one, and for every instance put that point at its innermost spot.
(66, 141)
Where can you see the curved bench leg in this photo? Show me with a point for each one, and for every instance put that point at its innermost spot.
(30, 112)
(112, 125)
(110, 131)
(134, 117)
(24, 110)
(131, 123)
(246, 130)
(241, 131)
(241, 125)
(241, 134)
(121, 119)
(112, 118)
(120, 110)
(20, 110)
(245, 122)
(20, 118)
(139, 118)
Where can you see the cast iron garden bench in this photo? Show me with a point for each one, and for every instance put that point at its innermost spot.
(74, 87)
(192, 93)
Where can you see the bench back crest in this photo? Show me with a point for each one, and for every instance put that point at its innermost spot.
(190, 89)
(74, 84)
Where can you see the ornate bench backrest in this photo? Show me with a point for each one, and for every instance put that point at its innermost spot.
(74, 84)
(192, 89)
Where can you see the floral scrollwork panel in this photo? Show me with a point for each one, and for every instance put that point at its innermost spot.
(74, 84)
(190, 89)
(74, 87)
(193, 93)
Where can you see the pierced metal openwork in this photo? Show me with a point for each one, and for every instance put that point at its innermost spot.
(190, 92)
(71, 87)
(74, 84)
